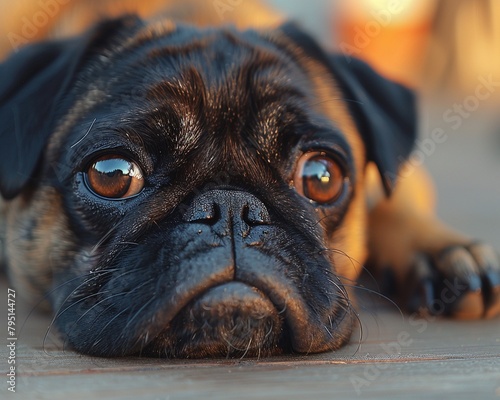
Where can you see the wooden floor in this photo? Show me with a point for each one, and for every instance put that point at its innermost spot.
(397, 356)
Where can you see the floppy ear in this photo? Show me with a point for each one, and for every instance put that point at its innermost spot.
(384, 111)
(34, 81)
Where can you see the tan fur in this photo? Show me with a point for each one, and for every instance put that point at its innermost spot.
(405, 223)
(33, 232)
(404, 226)
(350, 237)
(349, 245)
(37, 238)
(392, 230)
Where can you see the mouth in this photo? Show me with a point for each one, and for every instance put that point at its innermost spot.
(248, 315)
(237, 319)
(228, 320)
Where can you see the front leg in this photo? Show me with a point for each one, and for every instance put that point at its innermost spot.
(433, 268)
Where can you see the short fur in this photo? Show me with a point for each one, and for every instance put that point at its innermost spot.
(218, 254)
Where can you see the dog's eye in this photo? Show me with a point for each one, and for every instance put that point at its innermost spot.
(114, 177)
(319, 177)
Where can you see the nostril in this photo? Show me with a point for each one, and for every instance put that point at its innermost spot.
(255, 213)
(205, 212)
(233, 207)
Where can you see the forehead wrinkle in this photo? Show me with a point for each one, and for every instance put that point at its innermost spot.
(178, 103)
(173, 50)
(244, 100)
(281, 108)
(251, 106)
(155, 30)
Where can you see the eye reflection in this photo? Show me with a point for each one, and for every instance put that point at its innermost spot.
(115, 177)
(319, 178)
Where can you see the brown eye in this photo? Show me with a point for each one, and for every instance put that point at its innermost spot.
(319, 178)
(115, 177)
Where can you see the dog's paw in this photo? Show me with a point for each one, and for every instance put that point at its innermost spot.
(460, 281)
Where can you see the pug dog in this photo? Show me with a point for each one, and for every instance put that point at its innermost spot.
(181, 190)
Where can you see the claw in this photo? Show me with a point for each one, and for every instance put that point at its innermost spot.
(420, 296)
(459, 266)
(468, 306)
(457, 262)
(489, 265)
(493, 306)
(460, 281)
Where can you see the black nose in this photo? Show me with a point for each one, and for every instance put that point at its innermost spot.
(225, 208)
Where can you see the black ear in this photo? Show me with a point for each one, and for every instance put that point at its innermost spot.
(32, 86)
(384, 111)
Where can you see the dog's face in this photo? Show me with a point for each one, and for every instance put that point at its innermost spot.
(189, 193)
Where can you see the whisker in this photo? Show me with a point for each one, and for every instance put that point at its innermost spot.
(283, 310)
(137, 313)
(232, 346)
(361, 332)
(45, 297)
(84, 136)
(86, 281)
(354, 263)
(247, 349)
(62, 312)
(75, 324)
(384, 297)
(98, 336)
(57, 313)
(106, 236)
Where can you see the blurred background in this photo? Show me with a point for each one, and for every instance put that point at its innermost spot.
(447, 50)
